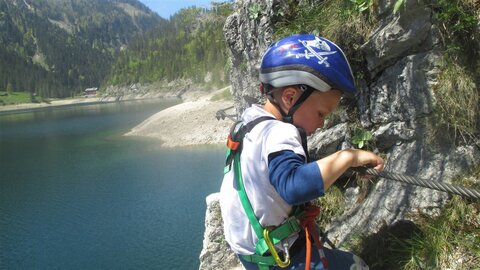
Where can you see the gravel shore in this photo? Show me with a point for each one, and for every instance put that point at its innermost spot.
(192, 122)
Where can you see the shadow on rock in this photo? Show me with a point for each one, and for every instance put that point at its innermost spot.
(386, 248)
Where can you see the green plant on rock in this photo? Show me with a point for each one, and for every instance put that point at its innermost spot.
(254, 11)
(449, 239)
(361, 137)
(457, 99)
(332, 205)
(333, 19)
(458, 21)
(445, 240)
(361, 5)
(398, 5)
(457, 102)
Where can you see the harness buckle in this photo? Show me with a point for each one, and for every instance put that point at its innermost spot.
(281, 263)
(287, 251)
(231, 143)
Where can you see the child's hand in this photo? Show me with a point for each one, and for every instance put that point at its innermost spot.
(366, 158)
(334, 165)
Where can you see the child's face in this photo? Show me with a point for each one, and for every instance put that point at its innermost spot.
(312, 113)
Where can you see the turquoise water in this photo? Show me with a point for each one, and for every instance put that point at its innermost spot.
(75, 194)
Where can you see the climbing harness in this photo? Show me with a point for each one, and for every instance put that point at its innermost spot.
(453, 189)
(266, 253)
(309, 225)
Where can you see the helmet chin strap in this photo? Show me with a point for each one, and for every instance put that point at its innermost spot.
(306, 92)
(288, 117)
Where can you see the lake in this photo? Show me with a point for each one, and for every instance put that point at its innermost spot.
(76, 194)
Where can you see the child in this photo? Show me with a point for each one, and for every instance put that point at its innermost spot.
(269, 179)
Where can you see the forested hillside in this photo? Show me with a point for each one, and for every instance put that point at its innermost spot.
(58, 48)
(191, 45)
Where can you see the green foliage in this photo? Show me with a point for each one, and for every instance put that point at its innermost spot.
(331, 205)
(15, 98)
(457, 103)
(457, 108)
(459, 16)
(337, 20)
(398, 5)
(459, 20)
(361, 137)
(361, 5)
(449, 240)
(64, 46)
(255, 11)
(189, 46)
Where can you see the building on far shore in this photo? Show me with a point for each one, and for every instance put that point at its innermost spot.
(90, 92)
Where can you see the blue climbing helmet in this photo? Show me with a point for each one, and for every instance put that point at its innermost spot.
(309, 60)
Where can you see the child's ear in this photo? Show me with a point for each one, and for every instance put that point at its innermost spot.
(289, 96)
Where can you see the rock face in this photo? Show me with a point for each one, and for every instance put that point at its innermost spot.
(248, 37)
(403, 57)
(216, 253)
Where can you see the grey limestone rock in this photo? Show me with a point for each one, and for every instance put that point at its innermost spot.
(406, 33)
(327, 141)
(216, 255)
(393, 133)
(248, 38)
(391, 201)
(403, 91)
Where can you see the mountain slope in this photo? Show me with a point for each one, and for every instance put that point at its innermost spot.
(58, 48)
(190, 45)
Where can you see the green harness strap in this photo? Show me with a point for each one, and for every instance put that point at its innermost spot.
(257, 227)
(286, 229)
(265, 252)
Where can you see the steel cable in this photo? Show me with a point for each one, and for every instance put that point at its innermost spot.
(459, 190)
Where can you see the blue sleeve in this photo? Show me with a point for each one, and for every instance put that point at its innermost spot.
(297, 182)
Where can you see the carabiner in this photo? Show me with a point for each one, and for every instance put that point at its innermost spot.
(273, 251)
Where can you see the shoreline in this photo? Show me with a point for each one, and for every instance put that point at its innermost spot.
(26, 107)
(88, 100)
(59, 103)
(192, 122)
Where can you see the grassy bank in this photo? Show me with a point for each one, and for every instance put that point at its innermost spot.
(16, 98)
